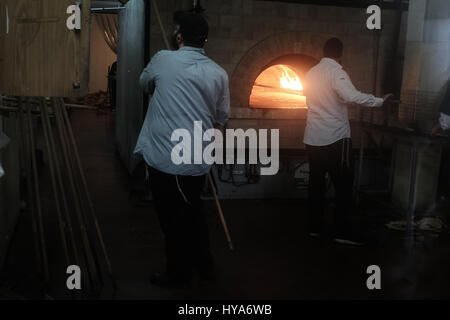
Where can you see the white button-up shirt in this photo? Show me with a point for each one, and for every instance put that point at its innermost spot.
(328, 90)
(189, 87)
(444, 121)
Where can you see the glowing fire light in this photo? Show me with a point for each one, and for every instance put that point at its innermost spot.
(278, 86)
(289, 80)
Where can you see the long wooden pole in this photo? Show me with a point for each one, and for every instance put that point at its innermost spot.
(68, 105)
(221, 215)
(86, 189)
(60, 182)
(93, 272)
(26, 150)
(56, 195)
(37, 194)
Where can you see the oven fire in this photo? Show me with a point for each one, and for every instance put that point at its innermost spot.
(290, 80)
(278, 86)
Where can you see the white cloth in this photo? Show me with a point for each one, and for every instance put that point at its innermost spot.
(328, 90)
(444, 120)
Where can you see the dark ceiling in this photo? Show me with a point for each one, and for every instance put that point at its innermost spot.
(386, 4)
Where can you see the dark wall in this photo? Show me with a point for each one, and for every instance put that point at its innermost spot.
(9, 183)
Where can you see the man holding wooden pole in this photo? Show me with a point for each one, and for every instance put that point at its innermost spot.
(187, 88)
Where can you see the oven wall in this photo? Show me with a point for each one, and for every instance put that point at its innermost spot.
(246, 30)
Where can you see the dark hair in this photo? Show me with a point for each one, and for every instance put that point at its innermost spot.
(333, 48)
(193, 26)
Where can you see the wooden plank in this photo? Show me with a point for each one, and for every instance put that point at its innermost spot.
(39, 56)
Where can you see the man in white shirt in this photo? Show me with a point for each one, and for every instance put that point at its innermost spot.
(329, 91)
(188, 88)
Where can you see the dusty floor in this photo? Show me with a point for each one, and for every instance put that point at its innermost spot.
(274, 257)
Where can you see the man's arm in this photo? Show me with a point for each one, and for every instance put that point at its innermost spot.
(149, 75)
(349, 94)
(444, 121)
(223, 104)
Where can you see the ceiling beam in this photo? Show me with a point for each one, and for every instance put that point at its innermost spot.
(384, 4)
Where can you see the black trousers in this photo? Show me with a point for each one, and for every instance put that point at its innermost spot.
(335, 159)
(181, 216)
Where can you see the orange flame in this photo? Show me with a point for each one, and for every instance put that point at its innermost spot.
(289, 80)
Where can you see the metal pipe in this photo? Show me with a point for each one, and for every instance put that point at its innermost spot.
(80, 106)
(360, 165)
(375, 67)
(395, 43)
(412, 197)
(392, 167)
(107, 9)
(17, 100)
(15, 109)
(72, 106)
(105, 3)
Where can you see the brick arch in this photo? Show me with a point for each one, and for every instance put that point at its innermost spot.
(267, 50)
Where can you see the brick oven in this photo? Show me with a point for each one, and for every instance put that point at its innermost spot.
(260, 42)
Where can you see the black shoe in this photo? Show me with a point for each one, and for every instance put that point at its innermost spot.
(165, 280)
(349, 240)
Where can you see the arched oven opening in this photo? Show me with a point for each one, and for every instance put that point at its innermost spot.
(280, 83)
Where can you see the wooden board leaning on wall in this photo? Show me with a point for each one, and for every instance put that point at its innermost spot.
(39, 55)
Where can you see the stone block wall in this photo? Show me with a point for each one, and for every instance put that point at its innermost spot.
(246, 35)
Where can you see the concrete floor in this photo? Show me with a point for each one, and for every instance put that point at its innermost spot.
(274, 257)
